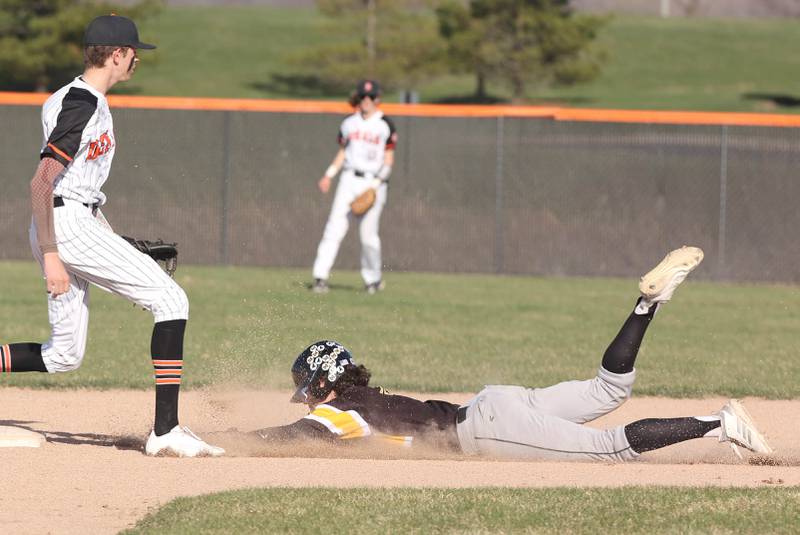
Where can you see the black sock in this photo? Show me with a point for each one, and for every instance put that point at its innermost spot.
(166, 349)
(22, 357)
(621, 354)
(655, 433)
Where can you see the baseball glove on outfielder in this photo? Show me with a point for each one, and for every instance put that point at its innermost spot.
(363, 202)
(165, 254)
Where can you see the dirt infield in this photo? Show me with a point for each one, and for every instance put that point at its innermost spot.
(91, 476)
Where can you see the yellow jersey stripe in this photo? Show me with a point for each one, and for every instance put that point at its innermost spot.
(345, 424)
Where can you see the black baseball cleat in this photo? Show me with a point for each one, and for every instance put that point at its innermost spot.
(375, 287)
(320, 286)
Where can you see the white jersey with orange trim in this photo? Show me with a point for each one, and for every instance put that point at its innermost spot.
(366, 140)
(79, 133)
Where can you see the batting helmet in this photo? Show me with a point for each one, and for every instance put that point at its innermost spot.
(317, 369)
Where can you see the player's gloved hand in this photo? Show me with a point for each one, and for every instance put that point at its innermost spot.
(324, 184)
(56, 275)
(165, 254)
(364, 202)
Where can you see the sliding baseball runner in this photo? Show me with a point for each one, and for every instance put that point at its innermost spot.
(512, 422)
(76, 247)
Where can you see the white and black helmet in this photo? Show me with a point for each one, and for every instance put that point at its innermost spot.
(317, 368)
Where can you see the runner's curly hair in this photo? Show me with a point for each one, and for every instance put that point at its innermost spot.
(352, 376)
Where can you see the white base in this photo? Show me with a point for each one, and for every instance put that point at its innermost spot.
(16, 437)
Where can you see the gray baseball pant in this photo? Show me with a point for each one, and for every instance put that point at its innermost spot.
(515, 422)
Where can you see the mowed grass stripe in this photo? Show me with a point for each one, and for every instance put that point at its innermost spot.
(431, 332)
(629, 510)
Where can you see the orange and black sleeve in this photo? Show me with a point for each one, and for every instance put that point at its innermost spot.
(77, 109)
(391, 141)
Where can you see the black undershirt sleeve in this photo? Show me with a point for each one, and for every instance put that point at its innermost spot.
(300, 430)
(391, 141)
(77, 108)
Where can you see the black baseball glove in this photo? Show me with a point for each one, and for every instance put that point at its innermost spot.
(166, 254)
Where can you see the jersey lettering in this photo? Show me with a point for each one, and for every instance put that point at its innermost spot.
(365, 141)
(99, 147)
(366, 137)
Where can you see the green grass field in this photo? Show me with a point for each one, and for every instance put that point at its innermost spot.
(653, 63)
(630, 510)
(431, 332)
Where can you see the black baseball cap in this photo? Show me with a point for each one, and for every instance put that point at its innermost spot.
(113, 30)
(368, 88)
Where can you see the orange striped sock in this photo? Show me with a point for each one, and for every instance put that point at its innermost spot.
(168, 372)
(5, 357)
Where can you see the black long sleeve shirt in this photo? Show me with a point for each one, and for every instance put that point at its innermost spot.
(362, 411)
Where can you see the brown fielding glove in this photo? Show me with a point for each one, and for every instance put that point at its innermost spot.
(363, 202)
(165, 254)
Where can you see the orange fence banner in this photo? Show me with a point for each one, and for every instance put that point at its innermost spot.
(431, 110)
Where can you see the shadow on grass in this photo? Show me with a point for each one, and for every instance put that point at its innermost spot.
(338, 287)
(299, 85)
(780, 100)
(126, 89)
(470, 99)
(491, 99)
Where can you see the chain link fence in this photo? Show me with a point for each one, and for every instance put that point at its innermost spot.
(492, 195)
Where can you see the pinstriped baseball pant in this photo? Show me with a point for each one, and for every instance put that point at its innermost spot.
(93, 253)
(515, 422)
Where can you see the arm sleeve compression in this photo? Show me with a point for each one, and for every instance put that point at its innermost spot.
(42, 202)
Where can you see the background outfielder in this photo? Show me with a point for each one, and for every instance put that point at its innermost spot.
(516, 422)
(75, 245)
(367, 140)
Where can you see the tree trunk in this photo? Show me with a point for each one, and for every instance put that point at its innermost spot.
(371, 23)
(480, 86)
(517, 89)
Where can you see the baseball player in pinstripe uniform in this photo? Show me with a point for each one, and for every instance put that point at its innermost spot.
(76, 246)
(366, 154)
(513, 422)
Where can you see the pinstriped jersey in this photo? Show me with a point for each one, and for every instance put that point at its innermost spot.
(79, 133)
(366, 140)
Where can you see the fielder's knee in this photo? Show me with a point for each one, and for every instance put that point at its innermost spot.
(60, 360)
(371, 242)
(172, 304)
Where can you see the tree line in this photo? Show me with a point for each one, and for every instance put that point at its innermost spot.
(517, 44)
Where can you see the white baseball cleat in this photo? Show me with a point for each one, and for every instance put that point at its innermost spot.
(180, 442)
(738, 429)
(660, 282)
(375, 287)
(320, 286)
